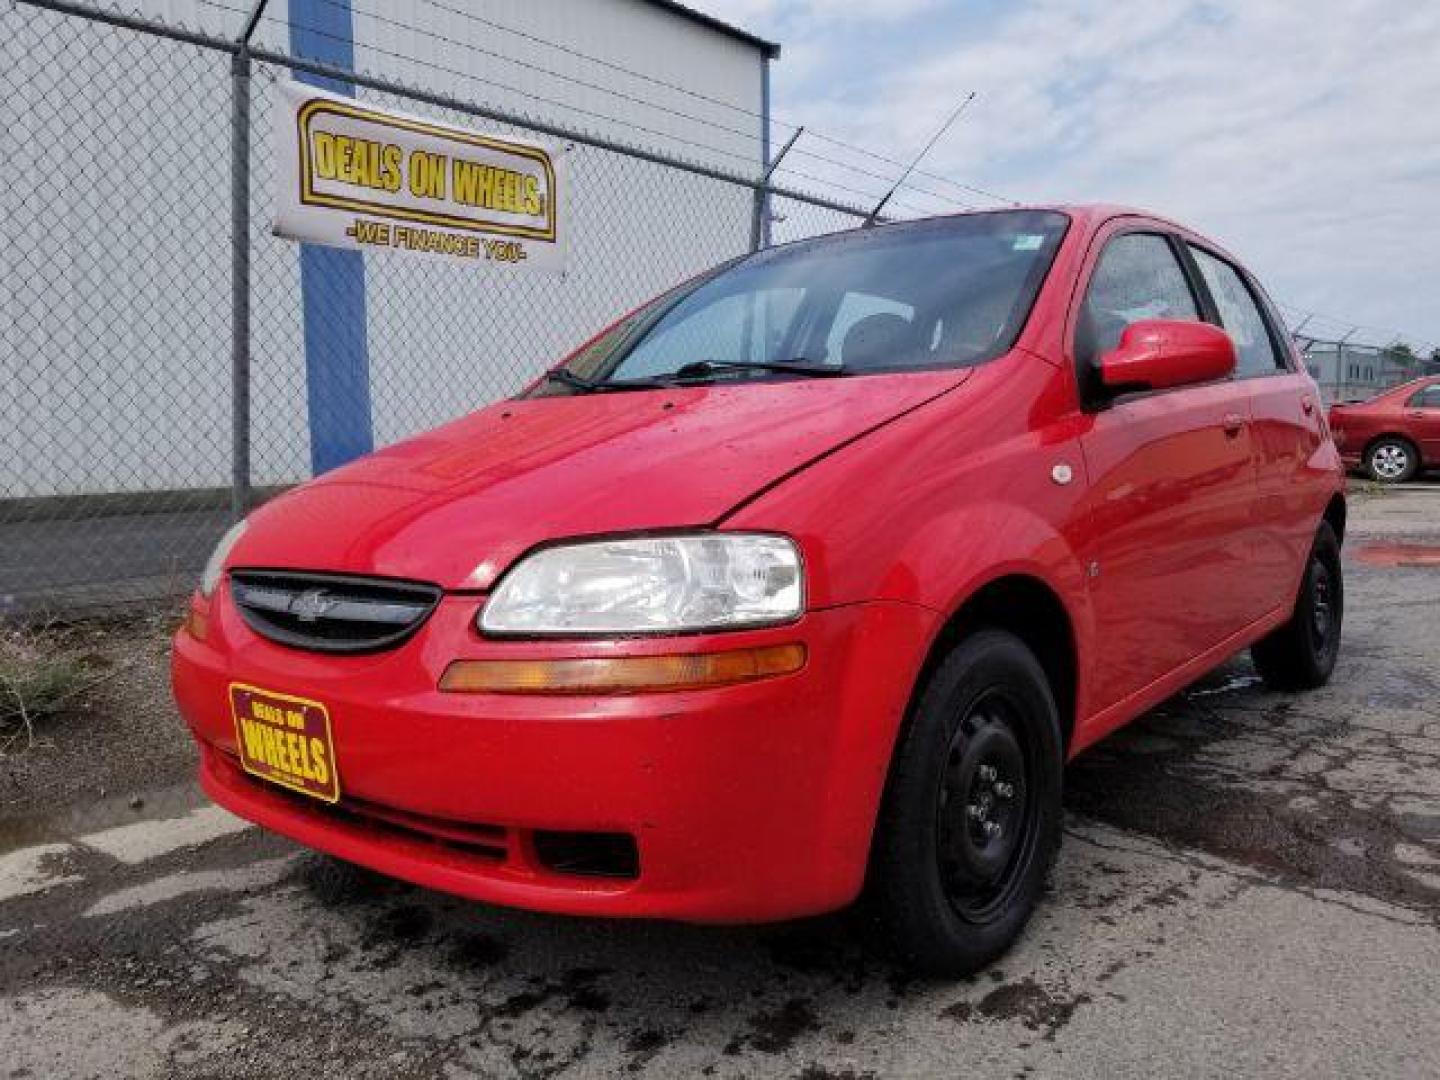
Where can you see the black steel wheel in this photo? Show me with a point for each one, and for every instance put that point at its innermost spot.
(972, 810)
(1324, 605)
(1301, 654)
(987, 813)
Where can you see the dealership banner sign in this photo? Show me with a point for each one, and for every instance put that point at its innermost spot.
(356, 176)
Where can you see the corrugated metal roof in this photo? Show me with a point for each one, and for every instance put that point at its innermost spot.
(771, 49)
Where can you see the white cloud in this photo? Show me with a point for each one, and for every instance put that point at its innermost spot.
(1306, 137)
(748, 12)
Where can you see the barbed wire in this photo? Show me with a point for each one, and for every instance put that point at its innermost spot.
(1297, 317)
(752, 161)
(600, 88)
(1348, 329)
(648, 103)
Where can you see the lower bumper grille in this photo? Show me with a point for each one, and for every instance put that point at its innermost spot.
(572, 854)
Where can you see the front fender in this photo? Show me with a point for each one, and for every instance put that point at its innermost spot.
(999, 541)
(964, 491)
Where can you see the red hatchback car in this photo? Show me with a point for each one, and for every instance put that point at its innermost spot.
(808, 575)
(1394, 435)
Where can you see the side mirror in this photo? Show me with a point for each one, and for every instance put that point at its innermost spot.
(1158, 354)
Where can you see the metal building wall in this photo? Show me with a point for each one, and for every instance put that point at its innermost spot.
(178, 364)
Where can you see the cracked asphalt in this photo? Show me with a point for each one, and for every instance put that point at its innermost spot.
(1250, 884)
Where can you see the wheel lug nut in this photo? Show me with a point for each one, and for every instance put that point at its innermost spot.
(987, 772)
(976, 811)
(1004, 790)
(992, 829)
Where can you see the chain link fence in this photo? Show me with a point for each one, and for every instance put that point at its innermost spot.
(154, 347)
(1351, 371)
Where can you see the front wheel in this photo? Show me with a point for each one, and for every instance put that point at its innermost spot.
(1301, 654)
(971, 817)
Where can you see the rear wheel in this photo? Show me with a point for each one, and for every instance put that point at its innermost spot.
(1301, 654)
(1391, 460)
(972, 812)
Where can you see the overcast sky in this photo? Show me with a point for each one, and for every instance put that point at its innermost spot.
(1303, 135)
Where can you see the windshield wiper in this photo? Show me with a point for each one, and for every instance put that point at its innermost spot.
(691, 372)
(569, 378)
(586, 386)
(699, 369)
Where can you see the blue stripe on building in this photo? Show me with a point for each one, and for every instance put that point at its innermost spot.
(765, 145)
(332, 281)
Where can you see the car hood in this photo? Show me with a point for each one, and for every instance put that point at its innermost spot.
(455, 506)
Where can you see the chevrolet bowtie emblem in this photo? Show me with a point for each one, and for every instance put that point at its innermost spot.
(311, 605)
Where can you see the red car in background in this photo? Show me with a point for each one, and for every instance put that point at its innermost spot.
(1392, 436)
(809, 575)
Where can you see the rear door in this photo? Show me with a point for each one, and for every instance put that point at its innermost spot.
(1286, 413)
(1422, 417)
(1172, 482)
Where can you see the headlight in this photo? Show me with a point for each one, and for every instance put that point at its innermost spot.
(210, 576)
(659, 584)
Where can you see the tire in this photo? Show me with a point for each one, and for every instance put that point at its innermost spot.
(1301, 654)
(961, 854)
(1392, 460)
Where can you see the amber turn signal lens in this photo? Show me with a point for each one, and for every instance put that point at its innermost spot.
(622, 674)
(196, 624)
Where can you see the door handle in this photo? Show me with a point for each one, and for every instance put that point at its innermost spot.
(1232, 423)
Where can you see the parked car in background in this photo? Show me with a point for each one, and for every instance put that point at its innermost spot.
(1392, 436)
(808, 575)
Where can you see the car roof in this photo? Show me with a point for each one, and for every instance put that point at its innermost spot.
(1091, 217)
(1095, 215)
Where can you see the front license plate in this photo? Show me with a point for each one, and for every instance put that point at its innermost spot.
(285, 740)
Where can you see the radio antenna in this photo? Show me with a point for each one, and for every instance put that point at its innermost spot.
(874, 215)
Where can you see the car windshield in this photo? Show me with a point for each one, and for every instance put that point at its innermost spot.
(947, 292)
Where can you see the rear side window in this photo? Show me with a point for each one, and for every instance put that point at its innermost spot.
(1137, 278)
(1429, 398)
(1254, 350)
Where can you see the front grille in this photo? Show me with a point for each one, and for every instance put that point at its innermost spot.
(331, 613)
(483, 841)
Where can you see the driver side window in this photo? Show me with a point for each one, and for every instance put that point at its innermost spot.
(1136, 278)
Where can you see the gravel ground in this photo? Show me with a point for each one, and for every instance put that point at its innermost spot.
(1250, 883)
(113, 737)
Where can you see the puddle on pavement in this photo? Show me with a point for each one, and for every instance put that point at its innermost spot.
(1385, 553)
(32, 829)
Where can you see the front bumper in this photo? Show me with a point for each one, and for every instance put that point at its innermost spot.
(746, 803)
